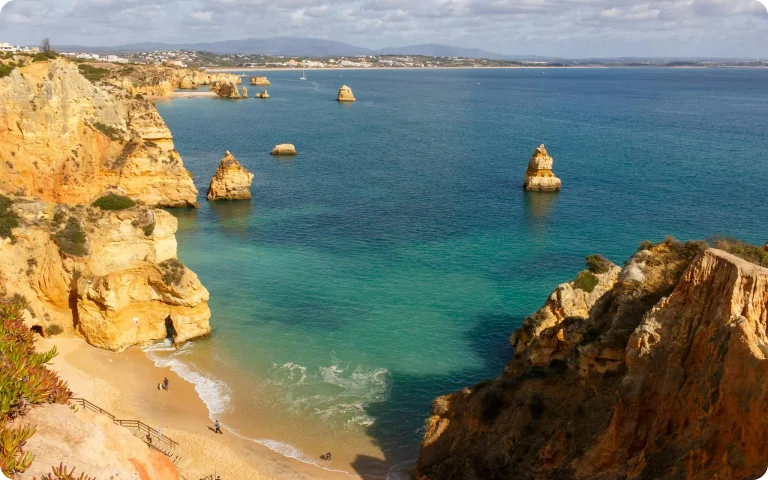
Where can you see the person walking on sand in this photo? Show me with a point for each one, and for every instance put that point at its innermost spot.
(165, 383)
(217, 427)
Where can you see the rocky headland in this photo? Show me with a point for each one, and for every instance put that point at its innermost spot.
(64, 139)
(153, 80)
(345, 95)
(231, 181)
(539, 176)
(261, 81)
(284, 149)
(654, 371)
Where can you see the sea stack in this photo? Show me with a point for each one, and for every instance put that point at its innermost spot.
(261, 81)
(284, 149)
(539, 176)
(345, 94)
(226, 88)
(231, 181)
(245, 93)
(263, 94)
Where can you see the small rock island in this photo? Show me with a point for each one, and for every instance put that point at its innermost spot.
(231, 181)
(345, 95)
(263, 95)
(261, 81)
(284, 149)
(539, 176)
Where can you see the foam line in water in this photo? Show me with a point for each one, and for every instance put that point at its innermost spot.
(214, 393)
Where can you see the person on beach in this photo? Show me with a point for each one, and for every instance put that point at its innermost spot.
(217, 427)
(165, 384)
(326, 457)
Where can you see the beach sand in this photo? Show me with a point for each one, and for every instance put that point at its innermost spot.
(125, 384)
(191, 94)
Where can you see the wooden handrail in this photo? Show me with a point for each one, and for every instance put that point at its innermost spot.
(138, 424)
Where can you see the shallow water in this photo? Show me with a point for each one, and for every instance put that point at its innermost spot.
(390, 261)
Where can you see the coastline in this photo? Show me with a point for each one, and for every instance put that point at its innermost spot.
(125, 384)
(189, 94)
(517, 67)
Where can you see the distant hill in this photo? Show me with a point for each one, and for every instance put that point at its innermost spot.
(297, 47)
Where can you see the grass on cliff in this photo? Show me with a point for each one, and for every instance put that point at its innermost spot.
(110, 132)
(6, 70)
(71, 239)
(24, 382)
(586, 281)
(113, 202)
(173, 271)
(598, 264)
(751, 253)
(91, 73)
(8, 218)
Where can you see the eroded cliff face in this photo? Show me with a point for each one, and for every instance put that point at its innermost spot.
(155, 80)
(111, 277)
(231, 181)
(64, 139)
(664, 378)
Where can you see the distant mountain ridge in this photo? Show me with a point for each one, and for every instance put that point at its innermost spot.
(299, 47)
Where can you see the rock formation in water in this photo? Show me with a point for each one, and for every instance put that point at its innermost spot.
(225, 89)
(539, 176)
(244, 94)
(110, 276)
(231, 181)
(345, 94)
(263, 95)
(64, 139)
(660, 376)
(261, 81)
(224, 78)
(284, 149)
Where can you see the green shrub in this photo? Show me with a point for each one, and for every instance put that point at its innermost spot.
(24, 381)
(71, 238)
(173, 271)
(110, 132)
(93, 74)
(61, 473)
(113, 202)
(53, 329)
(8, 218)
(149, 229)
(751, 253)
(586, 281)
(6, 70)
(598, 264)
(40, 57)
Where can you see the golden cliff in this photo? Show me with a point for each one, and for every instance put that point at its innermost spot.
(539, 176)
(110, 276)
(64, 139)
(663, 376)
(155, 80)
(231, 181)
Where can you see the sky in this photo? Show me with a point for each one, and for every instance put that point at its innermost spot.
(562, 28)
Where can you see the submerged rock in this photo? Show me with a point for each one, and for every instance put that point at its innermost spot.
(539, 176)
(261, 81)
(345, 95)
(231, 181)
(284, 149)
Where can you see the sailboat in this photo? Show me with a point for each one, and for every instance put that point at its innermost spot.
(303, 75)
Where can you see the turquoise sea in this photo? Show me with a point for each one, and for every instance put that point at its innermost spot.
(389, 262)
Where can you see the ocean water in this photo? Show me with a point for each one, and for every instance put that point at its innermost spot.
(389, 262)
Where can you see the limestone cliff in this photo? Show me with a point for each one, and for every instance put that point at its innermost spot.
(261, 81)
(663, 378)
(345, 94)
(155, 80)
(64, 139)
(110, 276)
(225, 89)
(231, 181)
(539, 176)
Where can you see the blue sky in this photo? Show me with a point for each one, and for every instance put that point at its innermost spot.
(567, 28)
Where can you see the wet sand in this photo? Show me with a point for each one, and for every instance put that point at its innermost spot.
(125, 384)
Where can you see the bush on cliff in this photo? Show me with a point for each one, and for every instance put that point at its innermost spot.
(586, 281)
(113, 202)
(110, 132)
(71, 238)
(6, 70)
(173, 271)
(8, 218)
(24, 381)
(91, 73)
(751, 253)
(598, 264)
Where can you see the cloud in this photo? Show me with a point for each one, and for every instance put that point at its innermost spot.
(733, 28)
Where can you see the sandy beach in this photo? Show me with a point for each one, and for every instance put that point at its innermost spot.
(125, 384)
(191, 94)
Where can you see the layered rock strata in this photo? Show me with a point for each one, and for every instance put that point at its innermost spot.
(64, 139)
(664, 377)
(539, 176)
(110, 276)
(261, 81)
(284, 149)
(231, 181)
(345, 94)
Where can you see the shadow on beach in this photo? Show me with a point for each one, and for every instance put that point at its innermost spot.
(398, 436)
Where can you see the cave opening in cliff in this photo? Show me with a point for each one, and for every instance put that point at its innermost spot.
(170, 331)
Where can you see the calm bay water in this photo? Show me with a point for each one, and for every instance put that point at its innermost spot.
(390, 261)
